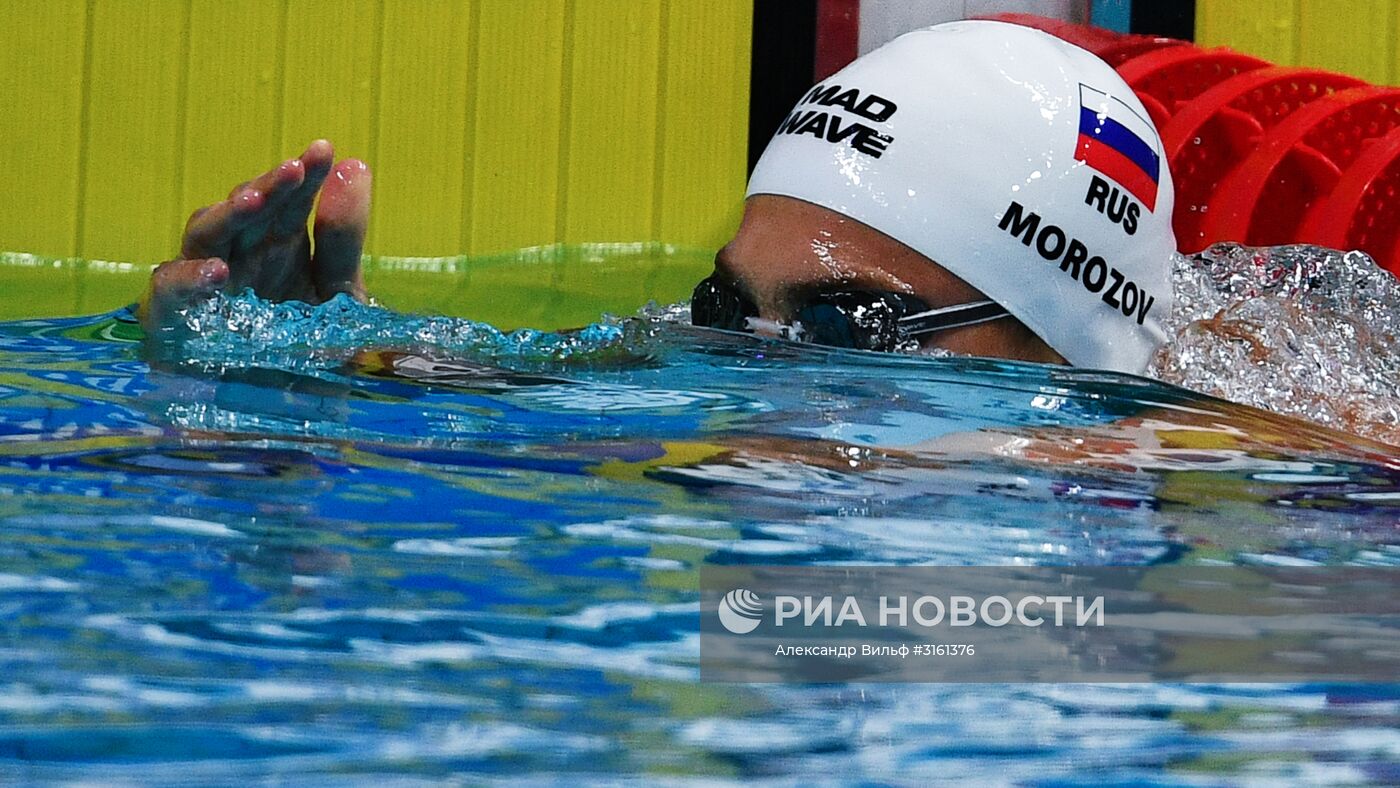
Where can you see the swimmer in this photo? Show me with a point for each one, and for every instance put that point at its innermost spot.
(978, 187)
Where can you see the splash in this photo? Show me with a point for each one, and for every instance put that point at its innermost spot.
(245, 330)
(1299, 330)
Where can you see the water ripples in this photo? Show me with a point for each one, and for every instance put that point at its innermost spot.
(339, 544)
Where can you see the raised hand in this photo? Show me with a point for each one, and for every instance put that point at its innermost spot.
(258, 238)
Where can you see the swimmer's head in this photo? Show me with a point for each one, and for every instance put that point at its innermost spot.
(971, 160)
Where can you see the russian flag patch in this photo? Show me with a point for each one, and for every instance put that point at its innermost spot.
(1119, 143)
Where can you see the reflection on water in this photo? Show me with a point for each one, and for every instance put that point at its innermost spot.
(479, 556)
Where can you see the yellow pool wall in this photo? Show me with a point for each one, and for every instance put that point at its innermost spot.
(491, 125)
(1355, 37)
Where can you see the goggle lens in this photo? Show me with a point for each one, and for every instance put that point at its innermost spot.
(864, 320)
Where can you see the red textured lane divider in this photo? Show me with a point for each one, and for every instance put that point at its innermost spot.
(1363, 209)
(1165, 79)
(1207, 137)
(1112, 47)
(1265, 199)
(1129, 48)
(838, 36)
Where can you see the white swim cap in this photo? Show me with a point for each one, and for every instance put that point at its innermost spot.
(1022, 164)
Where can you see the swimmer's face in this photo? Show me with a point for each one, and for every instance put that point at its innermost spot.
(787, 251)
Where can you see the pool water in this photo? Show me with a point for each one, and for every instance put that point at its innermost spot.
(337, 543)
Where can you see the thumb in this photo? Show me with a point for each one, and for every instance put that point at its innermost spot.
(339, 232)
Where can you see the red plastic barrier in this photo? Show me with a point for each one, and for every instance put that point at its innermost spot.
(1208, 136)
(1363, 209)
(1113, 47)
(838, 36)
(1165, 79)
(1129, 48)
(1265, 198)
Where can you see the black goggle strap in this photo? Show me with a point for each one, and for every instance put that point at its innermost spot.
(947, 317)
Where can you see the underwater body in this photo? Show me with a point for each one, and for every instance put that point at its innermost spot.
(341, 542)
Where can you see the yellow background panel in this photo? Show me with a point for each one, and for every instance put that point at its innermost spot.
(330, 77)
(41, 100)
(132, 137)
(491, 125)
(516, 130)
(608, 170)
(420, 156)
(1351, 36)
(1265, 28)
(234, 89)
(707, 54)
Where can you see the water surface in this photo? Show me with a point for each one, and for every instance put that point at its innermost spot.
(340, 543)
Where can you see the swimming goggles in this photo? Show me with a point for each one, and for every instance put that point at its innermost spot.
(861, 319)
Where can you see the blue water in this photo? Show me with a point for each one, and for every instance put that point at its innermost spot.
(343, 544)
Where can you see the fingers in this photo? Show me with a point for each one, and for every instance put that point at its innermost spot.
(291, 189)
(244, 216)
(261, 231)
(316, 162)
(210, 230)
(177, 285)
(279, 181)
(277, 186)
(341, 220)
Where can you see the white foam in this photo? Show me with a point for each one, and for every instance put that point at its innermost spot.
(11, 582)
(465, 546)
(188, 525)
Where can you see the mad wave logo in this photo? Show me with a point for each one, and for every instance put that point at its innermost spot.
(830, 126)
(740, 611)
